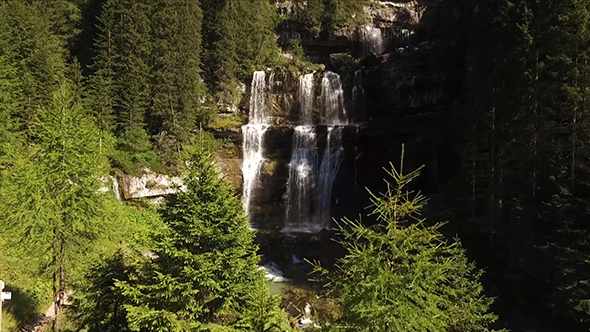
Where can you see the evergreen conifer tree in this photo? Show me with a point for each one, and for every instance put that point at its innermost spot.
(9, 97)
(238, 37)
(98, 306)
(50, 202)
(401, 275)
(205, 273)
(177, 88)
(328, 15)
(120, 85)
(34, 51)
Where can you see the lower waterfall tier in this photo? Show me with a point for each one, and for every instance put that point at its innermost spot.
(295, 189)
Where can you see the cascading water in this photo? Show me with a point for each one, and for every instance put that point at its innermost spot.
(303, 176)
(303, 168)
(371, 39)
(328, 170)
(116, 188)
(309, 188)
(335, 117)
(306, 99)
(253, 135)
(333, 98)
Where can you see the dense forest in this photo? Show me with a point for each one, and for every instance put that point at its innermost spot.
(492, 236)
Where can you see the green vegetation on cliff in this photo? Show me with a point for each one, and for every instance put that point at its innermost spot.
(238, 38)
(202, 274)
(328, 15)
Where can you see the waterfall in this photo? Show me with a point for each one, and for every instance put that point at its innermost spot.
(303, 176)
(333, 98)
(303, 168)
(335, 118)
(371, 39)
(309, 188)
(306, 99)
(328, 170)
(116, 188)
(400, 37)
(358, 92)
(253, 135)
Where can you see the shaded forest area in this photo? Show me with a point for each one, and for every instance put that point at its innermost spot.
(519, 198)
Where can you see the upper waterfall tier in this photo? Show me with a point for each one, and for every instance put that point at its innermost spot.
(372, 40)
(258, 98)
(306, 99)
(333, 97)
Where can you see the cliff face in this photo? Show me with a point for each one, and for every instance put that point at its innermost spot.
(397, 80)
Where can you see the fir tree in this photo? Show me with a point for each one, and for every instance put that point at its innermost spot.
(328, 15)
(177, 88)
(238, 37)
(121, 79)
(402, 275)
(205, 272)
(9, 97)
(98, 306)
(35, 51)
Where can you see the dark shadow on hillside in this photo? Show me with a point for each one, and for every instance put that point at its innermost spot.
(23, 306)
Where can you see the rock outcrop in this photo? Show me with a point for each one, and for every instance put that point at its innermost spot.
(148, 185)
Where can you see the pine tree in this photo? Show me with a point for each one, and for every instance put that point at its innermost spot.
(120, 86)
(50, 202)
(328, 15)
(238, 37)
(98, 306)
(100, 96)
(205, 272)
(35, 51)
(524, 145)
(177, 88)
(401, 275)
(9, 97)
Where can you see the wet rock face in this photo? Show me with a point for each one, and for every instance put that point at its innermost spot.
(398, 23)
(393, 97)
(385, 13)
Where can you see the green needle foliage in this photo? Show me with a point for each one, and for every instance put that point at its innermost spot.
(238, 38)
(34, 50)
(50, 203)
(9, 94)
(97, 305)
(402, 275)
(205, 271)
(202, 273)
(177, 87)
(328, 15)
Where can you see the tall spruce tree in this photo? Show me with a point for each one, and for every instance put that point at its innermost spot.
(205, 272)
(97, 306)
(328, 15)
(120, 86)
(238, 37)
(524, 144)
(401, 275)
(9, 97)
(50, 202)
(32, 48)
(177, 89)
